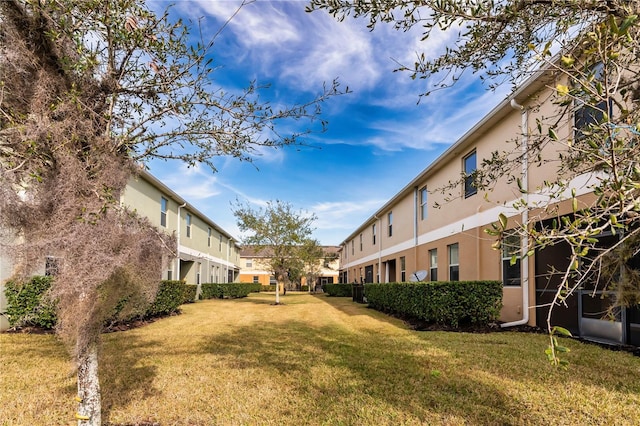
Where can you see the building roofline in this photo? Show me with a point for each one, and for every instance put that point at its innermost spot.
(145, 174)
(529, 87)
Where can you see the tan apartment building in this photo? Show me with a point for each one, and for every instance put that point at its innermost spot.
(255, 267)
(408, 235)
(206, 252)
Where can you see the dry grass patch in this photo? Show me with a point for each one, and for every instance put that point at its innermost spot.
(318, 360)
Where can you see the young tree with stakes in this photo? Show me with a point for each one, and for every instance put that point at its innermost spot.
(592, 48)
(89, 90)
(277, 231)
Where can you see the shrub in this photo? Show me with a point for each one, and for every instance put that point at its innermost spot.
(271, 287)
(189, 292)
(228, 290)
(170, 296)
(338, 290)
(27, 304)
(211, 291)
(255, 287)
(304, 288)
(451, 303)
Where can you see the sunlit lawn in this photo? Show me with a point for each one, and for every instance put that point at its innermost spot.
(314, 361)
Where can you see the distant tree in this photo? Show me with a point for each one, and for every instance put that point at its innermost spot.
(88, 90)
(311, 255)
(277, 231)
(592, 51)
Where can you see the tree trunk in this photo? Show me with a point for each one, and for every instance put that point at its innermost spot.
(89, 406)
(278, 292)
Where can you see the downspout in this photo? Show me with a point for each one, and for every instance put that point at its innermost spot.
(178, 242)
(525, 217)
(379, 230)
(415, 228)
(226, 279)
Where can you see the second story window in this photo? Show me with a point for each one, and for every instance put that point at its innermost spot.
(188, 225)
(353, 247)
(220, 242)
(361, 241)
(249, 263)
(163, 211)
(390, 222)
(423, 203)
(208, 237)
(373, 232)
(469, 165)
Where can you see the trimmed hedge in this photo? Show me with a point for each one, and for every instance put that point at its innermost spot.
(27, 305)
(271, 287)
(227, 290)
(451, 303)
(338, 290)
(170, 296)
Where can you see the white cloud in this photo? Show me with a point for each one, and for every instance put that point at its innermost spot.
(191, 183)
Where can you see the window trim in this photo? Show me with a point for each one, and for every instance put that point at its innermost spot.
(433, 266)
(423, 202)
(188, 222)
(506, 257)
(164, 207)
(451, 264)
(373, 232)
(390, 224)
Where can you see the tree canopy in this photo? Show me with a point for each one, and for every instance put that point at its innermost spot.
(278, 231)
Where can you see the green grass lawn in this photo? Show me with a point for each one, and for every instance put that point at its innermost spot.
(317, 361)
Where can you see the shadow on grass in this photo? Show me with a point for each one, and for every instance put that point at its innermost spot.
(368, 368)
(122, 377)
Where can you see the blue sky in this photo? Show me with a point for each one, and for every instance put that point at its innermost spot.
(378, 138)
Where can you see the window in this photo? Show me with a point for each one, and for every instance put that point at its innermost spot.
(469, 164)
(249, 263)
(220, 242)
(511, 274)
(390, 222)
(188, 225)
(433, 265)
(163, 211)
(423, 203)
(256, 279)
(587, 116)
(403, 271)
(353, 247)
(361, 241)
(169, 275)
(208, 237)
(373, 232)
(454, 266)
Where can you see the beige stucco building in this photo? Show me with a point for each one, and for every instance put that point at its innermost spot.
(255, 269)
(409, 235)
(206, 252)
